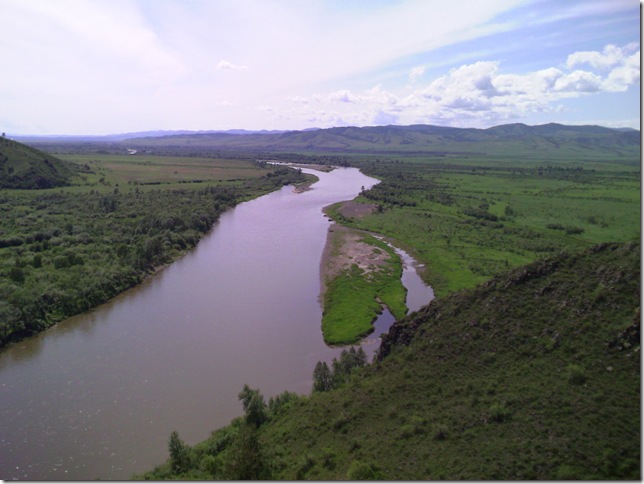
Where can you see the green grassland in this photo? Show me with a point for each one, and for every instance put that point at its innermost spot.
(471, 220)
(533, 375)
(142, 169)
(66, 250)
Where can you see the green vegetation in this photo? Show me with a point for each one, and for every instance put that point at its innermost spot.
(24, 167)
(533, 375)
(143, 169)
(354, 297)
(64, 252)
(470, 220)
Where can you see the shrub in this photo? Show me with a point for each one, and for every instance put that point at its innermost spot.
(499, 413)
(360, 471)
(576, 374)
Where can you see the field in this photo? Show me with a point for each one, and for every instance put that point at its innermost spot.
(143, 169)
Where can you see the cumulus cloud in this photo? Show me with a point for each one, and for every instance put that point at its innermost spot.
(482, 93)
(610, 57)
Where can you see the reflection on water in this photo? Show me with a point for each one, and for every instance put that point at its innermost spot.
(97, 395)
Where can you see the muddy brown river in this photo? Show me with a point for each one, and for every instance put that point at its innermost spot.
(98, 395)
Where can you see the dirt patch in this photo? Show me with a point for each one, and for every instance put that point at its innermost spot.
(344, 248)
(352, 209)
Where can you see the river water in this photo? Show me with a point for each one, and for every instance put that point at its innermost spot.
(98, 395)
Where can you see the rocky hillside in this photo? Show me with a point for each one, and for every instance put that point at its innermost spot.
(533, 375)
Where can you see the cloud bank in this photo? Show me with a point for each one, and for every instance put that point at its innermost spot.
(482, 93)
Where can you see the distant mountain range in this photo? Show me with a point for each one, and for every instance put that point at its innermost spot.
(542, 141)
(511, 139)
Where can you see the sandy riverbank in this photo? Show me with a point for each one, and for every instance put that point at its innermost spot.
(344, 247)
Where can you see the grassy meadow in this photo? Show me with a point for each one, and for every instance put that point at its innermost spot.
(143, 169)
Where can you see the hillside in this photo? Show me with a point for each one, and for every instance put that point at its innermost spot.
(519, 139)
(24, 167)
(532, 375)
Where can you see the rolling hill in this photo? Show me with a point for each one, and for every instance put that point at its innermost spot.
(25, 167)
(548, 140)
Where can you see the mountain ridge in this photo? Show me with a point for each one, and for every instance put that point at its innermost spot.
(533, 141)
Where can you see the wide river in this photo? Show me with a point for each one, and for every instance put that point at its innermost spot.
(98, 395)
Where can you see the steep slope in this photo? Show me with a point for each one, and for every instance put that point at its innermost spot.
(533, 375)
(24, 167)
(513, 139)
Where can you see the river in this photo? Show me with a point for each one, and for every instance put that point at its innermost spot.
(98, 395)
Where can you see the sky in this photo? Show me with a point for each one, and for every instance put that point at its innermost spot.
(97, 67)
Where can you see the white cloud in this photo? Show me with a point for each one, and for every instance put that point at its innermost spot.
(416, 73)
(343, 96)
(610, 57)
(481, 93)
(578, 82)
(227, 65)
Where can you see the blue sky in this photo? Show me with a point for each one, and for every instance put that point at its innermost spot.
(112, 66)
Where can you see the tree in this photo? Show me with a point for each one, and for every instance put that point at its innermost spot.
(275, 404)
(322, 378)
(254, 406)
(349, 360)
(245, 460)
(179, 453)
(325, 379)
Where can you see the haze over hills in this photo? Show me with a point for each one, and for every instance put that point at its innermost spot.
(520, 139)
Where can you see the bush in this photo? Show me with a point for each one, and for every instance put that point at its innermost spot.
(360, 471)
(576, 374)
(499, 413)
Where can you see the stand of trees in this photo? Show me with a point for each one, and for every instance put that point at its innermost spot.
(65, 253)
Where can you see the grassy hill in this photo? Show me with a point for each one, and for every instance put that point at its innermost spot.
(24, 167)
(549, 140)
(532, 375)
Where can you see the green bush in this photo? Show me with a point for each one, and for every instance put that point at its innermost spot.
(360, 471)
